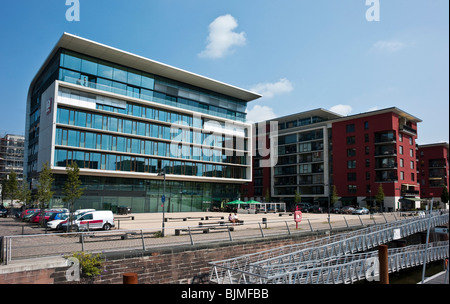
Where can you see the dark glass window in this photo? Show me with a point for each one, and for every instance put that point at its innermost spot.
(105, 70)
(71, 61)
(89, 66)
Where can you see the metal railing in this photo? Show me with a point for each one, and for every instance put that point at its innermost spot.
(256, 268)
(352, 268)
(25, 245)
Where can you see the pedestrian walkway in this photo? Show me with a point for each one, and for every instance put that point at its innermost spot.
(439, 278)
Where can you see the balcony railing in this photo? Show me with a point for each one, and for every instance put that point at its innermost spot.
(408, 130)
(106, 88)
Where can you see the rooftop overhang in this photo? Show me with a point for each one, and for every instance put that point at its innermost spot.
(101, 51)
(395, 110)
(315, 112)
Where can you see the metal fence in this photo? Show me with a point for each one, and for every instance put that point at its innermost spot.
(16, 247)
(259, 267)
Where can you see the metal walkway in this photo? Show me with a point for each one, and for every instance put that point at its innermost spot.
(320, 261)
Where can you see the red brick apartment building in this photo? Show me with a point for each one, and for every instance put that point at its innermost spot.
(357, 153)
(433, 169)
(372, 149)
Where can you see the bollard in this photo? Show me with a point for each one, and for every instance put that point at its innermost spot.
(130, 278)
(264, 221)
(383, 261)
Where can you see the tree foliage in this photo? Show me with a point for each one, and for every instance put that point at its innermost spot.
(44, 189)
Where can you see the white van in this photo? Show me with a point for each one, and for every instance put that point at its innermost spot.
(93, 220)
(79, 211)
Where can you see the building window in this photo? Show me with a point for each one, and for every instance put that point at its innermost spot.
(351, 152)
(366, 125)
(351, 164)
(402, 175)
(351, 176)
(401, 149)
(367, 163)
(366, 137)
(367, 175)
(350, 140)
(400, 137)
(367, 150)
(411, 152)
(402, 164)
(350, 128)
(411, 164)
(351, 188)
(412, 176)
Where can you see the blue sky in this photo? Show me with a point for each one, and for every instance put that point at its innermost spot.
(301, 54)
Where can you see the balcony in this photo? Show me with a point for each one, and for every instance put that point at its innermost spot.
(386, 166)
(144, 95)
(408, 130)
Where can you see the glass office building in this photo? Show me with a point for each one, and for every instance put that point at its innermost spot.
(125, 119)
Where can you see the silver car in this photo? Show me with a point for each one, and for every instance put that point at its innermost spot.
(361, 210)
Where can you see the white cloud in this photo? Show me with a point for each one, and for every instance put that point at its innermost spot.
(391, 46)
(269, 90)
(222, 38)
(260, 113)
(374, 108)
(341, 109)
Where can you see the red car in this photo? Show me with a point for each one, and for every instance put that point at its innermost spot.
(37, 217)
(27, 214)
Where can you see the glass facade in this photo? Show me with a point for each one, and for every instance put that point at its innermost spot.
(143, 196)
(137, 140)
(94, 73)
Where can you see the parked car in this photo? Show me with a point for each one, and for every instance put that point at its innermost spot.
(56, 219)
(92, 220)
(317, 209)
(36, 218)
(361, 210)
(3, 212)
(303, 207)
(335, 210)
(80, 211)
(346, 210)
(27, 214)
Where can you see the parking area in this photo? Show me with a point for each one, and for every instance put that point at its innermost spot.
(148, 221)
(143, 231)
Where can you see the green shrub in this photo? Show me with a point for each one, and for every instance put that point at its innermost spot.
(90, 264)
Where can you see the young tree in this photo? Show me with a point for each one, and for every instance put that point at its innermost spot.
(44, 189)
(298, 198)
(444, 195)
(334, 196)
(267, 197)
(72, 188)
(380, 196)
(24, 194)
(11, 187)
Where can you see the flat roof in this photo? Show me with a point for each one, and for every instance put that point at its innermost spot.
(310, 113)
(101, 51)
(382, 111)
(439, 144)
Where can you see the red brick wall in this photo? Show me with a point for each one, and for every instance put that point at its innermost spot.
(43, 276)
(163, 266)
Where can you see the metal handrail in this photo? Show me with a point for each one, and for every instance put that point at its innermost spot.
(260, 264)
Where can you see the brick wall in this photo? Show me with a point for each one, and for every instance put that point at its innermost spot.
(181, 264)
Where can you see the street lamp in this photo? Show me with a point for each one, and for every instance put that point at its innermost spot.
(163, 198)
